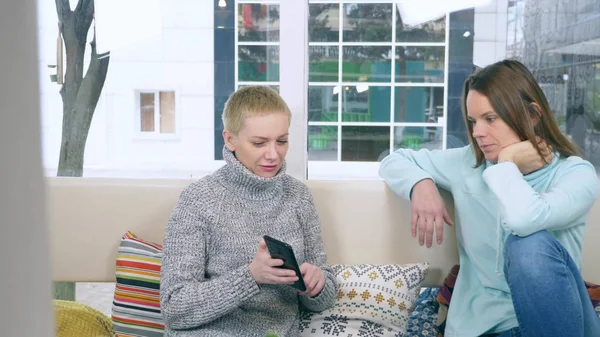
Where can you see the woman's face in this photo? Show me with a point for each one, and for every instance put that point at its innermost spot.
(261, 144)
(489, 130)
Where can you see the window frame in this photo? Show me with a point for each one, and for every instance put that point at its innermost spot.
(319, 170)
(138, 134)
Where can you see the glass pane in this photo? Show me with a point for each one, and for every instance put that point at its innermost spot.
(432, 31)
(418, 137)
(258, 22)
(367, 64)
(323, 23)
(322, 143)
(147, 112)
(323, 103)
(367, 23)
(419, 104)
(167, 111)
(258, 63)
(420, 64)
(365, 143)
(323, 64)
(364, 103)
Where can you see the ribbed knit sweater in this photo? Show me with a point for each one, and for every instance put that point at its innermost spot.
(212, 236)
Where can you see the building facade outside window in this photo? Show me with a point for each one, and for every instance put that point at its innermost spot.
(560, 42)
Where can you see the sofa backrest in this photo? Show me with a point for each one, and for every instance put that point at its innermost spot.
(362, 222)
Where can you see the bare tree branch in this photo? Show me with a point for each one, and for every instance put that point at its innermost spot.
(63, 8)
(81, 4)
(84, 14)
(85, 11)
(91, 86)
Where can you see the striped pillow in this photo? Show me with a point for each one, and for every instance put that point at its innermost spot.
(136, 304)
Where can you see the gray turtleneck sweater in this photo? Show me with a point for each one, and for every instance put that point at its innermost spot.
(210, 240)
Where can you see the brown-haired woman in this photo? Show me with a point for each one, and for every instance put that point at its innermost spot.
(522, 196)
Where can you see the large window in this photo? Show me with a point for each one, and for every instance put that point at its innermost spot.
(367, 83)
(374, 85)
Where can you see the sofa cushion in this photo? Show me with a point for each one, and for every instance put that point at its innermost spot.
(73, 319)
(423, 319)
(373, 300)
(136, 304)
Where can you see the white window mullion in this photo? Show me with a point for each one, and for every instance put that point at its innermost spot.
(257, 43)
(323, 44)
(418, 84)
(340, 73)
(366, 44)
(374, 84)
(157, 112)
(372, 44)
(235, 44)
(420, 44)
(408, 124)
(393, 79)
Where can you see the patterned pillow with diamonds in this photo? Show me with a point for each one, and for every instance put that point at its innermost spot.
(373, 300)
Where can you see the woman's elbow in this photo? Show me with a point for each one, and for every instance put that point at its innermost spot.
(174, 314)
(171, 317)
(173, 321)
(178, 320)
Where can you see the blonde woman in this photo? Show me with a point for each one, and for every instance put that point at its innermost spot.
(218, 278)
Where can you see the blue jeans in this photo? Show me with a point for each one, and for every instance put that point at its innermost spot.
(548, 293)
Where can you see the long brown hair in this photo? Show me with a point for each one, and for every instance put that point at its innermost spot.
(516, 97)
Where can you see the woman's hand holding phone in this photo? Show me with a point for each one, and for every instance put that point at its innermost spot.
(264, 269)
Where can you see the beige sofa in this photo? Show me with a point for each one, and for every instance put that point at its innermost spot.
(362, 222)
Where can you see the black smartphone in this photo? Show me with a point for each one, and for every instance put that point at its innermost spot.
(281, 250)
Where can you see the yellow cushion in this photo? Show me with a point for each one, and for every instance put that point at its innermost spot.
(74, 319)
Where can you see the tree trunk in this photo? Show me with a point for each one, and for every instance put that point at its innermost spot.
(78, 111)
(79, 96)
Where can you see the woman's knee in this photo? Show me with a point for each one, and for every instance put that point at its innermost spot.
(530, 255)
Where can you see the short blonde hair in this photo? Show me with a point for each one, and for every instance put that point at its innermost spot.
(255, 100)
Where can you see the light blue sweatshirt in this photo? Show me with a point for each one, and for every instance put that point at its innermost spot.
(491, 202)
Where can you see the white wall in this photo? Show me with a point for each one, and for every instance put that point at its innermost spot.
(490, 33)
(182, 59)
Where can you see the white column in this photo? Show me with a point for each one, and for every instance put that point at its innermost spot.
(25, 286)
(293, 73)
